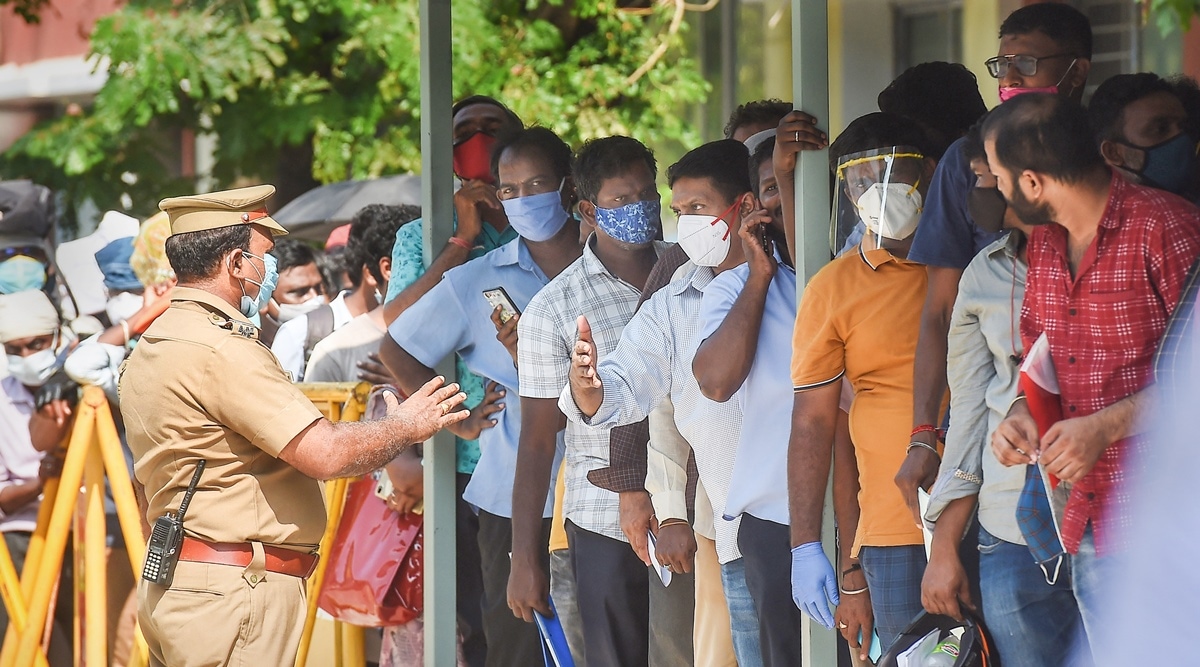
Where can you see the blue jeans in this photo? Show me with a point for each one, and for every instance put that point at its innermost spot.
(1032, 622)
(894, 577)
(743, 619)
(1093, 580)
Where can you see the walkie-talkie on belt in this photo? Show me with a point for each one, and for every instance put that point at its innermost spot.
(166, 538)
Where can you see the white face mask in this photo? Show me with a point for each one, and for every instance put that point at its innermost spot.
(705, 238)
(123, 306)
(34, 370)
(892, 210)
(290, 311)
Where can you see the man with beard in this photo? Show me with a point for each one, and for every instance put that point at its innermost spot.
(1103, 281)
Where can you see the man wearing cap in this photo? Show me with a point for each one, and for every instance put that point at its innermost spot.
(200, 386)
(33, 337)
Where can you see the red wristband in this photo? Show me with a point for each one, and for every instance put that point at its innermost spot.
(924, 428)
(462, 243)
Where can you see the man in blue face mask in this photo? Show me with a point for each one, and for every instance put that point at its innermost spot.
(1142, 129)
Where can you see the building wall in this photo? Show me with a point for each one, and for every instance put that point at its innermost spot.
(63, 31)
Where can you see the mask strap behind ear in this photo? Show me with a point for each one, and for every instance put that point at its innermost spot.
(888, 160)
(1064, 76)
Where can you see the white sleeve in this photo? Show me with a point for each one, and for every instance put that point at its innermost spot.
(289, 346)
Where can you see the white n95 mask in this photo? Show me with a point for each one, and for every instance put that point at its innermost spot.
(705, 238)
(891, 210)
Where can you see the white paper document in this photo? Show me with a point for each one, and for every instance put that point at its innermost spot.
(663, 573)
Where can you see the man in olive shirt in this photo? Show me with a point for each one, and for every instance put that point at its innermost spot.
(200, 386)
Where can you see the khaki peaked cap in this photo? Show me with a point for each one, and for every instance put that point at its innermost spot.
(243, 206)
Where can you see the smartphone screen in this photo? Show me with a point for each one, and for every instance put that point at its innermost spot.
(498, 298)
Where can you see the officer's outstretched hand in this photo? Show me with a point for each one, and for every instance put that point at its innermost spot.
(429, 409)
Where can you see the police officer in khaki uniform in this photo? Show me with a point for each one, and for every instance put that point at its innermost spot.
(201, 386)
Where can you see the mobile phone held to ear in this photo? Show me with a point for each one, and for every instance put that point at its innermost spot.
(498, 298)
(764, 237)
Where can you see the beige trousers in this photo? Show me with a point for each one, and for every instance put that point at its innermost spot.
(712, 639)
(216, 615)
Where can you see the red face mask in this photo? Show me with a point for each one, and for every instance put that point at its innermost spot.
(473, 158)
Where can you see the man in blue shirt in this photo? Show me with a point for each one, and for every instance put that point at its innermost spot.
(480, 227)
(746, 320)
(456, 317)
(1044, 48)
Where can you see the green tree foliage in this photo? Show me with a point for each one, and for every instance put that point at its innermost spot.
(339, 81)
(1171, 15)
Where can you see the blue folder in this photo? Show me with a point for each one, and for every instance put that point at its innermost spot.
(555, 651)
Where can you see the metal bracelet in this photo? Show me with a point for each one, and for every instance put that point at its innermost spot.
(918, 443)
(968, 477)
(855, 592)
(1016, 400)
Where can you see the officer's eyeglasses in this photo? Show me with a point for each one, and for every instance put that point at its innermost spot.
(1026, 65)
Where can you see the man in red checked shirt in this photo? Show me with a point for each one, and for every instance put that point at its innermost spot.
(1103, 281)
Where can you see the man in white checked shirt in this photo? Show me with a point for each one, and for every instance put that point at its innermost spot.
(615, 179)
(653, 361)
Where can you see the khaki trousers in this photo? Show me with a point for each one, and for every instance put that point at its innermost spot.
(711, 637)
(216, 615)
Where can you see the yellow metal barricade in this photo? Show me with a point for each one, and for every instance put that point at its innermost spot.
(93, 453)
(346, 401)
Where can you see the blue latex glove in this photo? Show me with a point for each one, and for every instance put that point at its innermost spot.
(814, 584)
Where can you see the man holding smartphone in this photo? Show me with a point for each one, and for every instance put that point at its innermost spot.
(533, 170)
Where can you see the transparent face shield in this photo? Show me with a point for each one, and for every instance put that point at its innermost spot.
(876, 198)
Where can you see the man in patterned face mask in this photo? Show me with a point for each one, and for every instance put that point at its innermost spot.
(615, 182)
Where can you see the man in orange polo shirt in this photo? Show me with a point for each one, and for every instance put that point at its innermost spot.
(858, 319)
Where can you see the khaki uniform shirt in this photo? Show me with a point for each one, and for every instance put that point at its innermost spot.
(200, 385)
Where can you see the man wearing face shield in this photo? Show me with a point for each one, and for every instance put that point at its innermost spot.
(201, 387)
(1143, 131)
(1106, 270)
(1044, 48)
(858, 319)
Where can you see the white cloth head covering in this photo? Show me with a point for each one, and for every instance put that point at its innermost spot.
(26, 314)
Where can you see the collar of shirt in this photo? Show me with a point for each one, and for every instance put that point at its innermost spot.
(517, 252)
(1112, 218)
(594, 267)
(877, 257)
(208, 299)
(1009, 247)
(700, 278)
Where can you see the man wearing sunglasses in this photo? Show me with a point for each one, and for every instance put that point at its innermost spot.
(1044, 48)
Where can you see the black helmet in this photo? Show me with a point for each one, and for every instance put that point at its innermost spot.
(975, 648)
